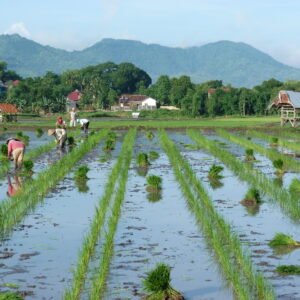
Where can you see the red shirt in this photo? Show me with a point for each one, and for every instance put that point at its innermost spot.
(12, 145)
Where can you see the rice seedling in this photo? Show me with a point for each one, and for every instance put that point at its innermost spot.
(150, 135)
(288, 270)
(3, 150)
(154, 196)
(28, 166)
(279, 166)
(295, 187)
(110, 141)
(249, 154)
(158, 284)
(24, 138)
(274, 141)
(252, 200)
(119, 173)
(10, 296)
(215, 172)
(153, 183)
(236, 265)
(13, 209)
(283, 240)
(81, 172)
(142, 160)
(153, 155)
(39, 132)
(254, 177)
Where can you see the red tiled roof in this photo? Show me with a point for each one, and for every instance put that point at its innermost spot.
(132, 98)
(74, 96)
(8, 108)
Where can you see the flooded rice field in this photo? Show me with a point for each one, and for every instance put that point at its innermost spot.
(39, 256)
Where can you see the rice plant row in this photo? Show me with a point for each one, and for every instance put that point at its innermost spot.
(90, 240)
(254, 177)
(12, 210)
(235, 263)
(289, 163)
(281, 142)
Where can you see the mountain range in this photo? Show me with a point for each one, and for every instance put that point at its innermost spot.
(238, 64)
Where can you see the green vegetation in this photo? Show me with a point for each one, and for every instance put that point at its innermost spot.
(39, 132)
(214, 172)
(249, 153)
(236, 265)
(154, 183)
(274, 141)
(12, 210)
(28, 166)
(3, 150)
(142, 160)
(295, 187)
(110, 142)
(70, 140)
(158, 284)
(252, 200)
(119, 174)
(283, 240)
(81, 172)
(150, 135)
(23, 137)
(153, 155)
(288, 270)
(10, 296)
(279, 166)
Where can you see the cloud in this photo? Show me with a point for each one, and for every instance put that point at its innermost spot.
(18, 28)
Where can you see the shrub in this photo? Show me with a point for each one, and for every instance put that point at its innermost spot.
(81, 172)
(142, 160)
(153, 155)
(214, 172)
(283, 240)
(158, 284)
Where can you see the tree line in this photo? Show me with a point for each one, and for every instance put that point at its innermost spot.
(101, 86)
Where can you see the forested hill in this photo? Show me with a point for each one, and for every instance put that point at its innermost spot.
(236, 63)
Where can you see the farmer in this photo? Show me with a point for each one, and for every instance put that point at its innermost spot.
(60, 123)
(60, 136)
(15, 150)
(84, 124)
(73, 117)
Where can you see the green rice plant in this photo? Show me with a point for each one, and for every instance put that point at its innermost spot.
(295, 187)
(254, 177)
(142, 160)
(158, 284)
(283, 240)
(23, 137)
(39, 132)
(274, 141)
(119, 174)
(10, 296)
(249, 154)
(3, 150)
(81, 172)
(288, 270)
(279, 166)
(153, 155)
(214, 172)
(13, 209)
(71, 140)
(81, 184)
(153, 183)
(28, 166)
(150, 135)
(252, 200)
(236, 265)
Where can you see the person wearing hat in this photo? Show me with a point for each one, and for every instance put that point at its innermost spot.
(84, 124)
(15, 150)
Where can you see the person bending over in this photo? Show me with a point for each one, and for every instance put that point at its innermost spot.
(16, 150)
(84, 124)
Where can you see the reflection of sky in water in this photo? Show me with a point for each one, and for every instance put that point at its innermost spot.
(52, 235)
(163, 231)
(255, 229)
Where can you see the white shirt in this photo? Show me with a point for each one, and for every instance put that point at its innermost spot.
(83, 121)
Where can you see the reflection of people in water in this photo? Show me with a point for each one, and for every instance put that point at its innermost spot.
(13, 186)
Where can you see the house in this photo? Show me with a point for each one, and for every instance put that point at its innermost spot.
(148, 104)
(288, 102)
(8, 112)
(72, 99)
(131, 101)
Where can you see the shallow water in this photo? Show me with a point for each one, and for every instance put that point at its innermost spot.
(162, 231)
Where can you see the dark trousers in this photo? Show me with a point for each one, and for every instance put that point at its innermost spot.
(85, 127)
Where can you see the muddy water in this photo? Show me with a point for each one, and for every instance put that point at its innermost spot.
(161, 231)
(255, 227)
(43, 250)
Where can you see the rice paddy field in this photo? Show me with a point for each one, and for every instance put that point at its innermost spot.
(219, 205)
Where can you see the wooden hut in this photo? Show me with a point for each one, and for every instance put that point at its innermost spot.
(8, 112)
(288, 102)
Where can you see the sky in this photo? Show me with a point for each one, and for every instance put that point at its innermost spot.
(271, 26)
